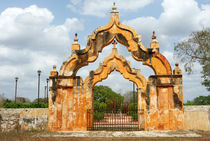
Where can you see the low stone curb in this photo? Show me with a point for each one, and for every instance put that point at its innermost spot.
(122, 134)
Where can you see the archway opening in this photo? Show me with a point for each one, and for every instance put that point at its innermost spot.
(114, 108)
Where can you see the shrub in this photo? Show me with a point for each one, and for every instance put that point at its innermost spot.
(132, 107)
(98, 116)
(133, 110)
(124, 108)
(9, 104)
(102, 106)
(96, 105)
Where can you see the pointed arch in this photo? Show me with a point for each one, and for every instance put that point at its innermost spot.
(116, 62)
(103, 36)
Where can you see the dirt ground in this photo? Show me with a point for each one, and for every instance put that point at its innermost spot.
(38, 136)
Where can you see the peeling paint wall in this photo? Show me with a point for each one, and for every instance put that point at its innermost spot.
(195, 118)
(68, 111)
(165, 107)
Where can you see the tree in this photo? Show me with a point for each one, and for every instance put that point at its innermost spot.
(43, 100)
(2, 99)
(128, 97)
(105, 96)
(22, 100)
(201, 100)
(196, 49)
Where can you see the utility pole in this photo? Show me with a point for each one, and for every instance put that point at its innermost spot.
(45, 94)
(39, 73)
(47, 88)
(133, 92)
(16, 80)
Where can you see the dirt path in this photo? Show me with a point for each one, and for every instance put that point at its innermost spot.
(47, 136)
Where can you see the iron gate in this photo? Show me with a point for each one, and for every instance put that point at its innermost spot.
(115, 117)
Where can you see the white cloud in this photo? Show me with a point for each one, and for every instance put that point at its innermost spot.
(13, 21)
(204, 17)
(169, 56)
(99, 7)
(144, 26)
(28, 42)
(31, 28)
(178, 19)
(192, 87)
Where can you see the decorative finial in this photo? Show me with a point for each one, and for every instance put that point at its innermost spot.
(153, 36)
(54, 67)
(114, 8)
(75, 38)
(114, 43)
(177, 70)
(54, 73)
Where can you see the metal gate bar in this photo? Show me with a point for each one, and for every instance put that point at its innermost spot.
(115, 117)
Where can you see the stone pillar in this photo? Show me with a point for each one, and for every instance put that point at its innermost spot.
(141, 108)
(178, 97)
(178, 85)
(152, 107)
(67, 103)
(89, 99)
(52, 124)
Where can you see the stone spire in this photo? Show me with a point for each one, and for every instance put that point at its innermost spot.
(153, 36)
(75, 45)
(54, 72)
(154, 44)
(114, 8)
(75, 39)
(177, 70)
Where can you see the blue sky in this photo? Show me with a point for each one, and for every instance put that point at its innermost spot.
(37, 34)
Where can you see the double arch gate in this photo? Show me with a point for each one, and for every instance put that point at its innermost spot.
(160, 97)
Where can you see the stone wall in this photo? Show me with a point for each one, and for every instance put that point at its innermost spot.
(195, 118)
(24, 119)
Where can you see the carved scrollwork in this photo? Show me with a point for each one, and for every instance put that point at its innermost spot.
(103, 36)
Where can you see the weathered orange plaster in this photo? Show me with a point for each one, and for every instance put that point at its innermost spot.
(70, 97)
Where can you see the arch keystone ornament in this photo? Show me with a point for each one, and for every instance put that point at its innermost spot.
(160, 98)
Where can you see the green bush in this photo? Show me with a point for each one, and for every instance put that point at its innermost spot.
(102, 106)
(133, 110)
(124, 108)
(189, 103)
(98, 116)
(9, 104)
(132, 107)
(201, 100)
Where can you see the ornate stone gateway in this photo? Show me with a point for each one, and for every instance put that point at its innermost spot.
(160, 98)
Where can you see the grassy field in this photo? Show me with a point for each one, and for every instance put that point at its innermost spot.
(37, 136)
